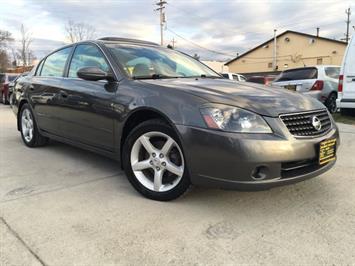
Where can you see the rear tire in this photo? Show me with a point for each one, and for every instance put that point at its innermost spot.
(155, 152)
(28, 128)
(331, 103)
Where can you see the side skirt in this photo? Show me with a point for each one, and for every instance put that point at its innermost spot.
(112, 155)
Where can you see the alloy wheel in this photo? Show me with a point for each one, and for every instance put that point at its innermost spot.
(157, 161)
(27, 125)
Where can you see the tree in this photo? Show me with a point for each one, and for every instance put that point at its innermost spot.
(25, 51)
(5, 37)
(78, 31)
(4, 61)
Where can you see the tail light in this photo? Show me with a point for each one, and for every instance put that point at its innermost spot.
(318, 85)
(6, 88)
(340, 84)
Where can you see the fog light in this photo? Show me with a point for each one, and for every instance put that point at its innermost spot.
(260, 173)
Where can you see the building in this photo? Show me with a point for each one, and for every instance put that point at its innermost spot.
(293, 49)
(216, 66)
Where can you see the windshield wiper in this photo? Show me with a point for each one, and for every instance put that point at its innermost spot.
(155, 76)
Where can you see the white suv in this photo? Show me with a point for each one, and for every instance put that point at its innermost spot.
(320, 82)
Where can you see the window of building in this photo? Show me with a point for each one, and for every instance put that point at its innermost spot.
(87, 55)
(55, 63)
(319, 61)
(269, 65)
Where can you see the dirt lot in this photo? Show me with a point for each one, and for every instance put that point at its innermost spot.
(63, 206)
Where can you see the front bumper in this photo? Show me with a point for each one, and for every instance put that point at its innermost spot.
(231, 160)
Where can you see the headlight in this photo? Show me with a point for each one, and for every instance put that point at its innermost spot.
(233, 119)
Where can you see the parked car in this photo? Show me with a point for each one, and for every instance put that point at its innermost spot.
(320, 82)
(5, 79)
(265, 80)
(346, 87)
(171, 121)
(233, 76)
(12, 85)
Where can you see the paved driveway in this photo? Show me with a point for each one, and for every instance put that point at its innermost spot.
(63, 206)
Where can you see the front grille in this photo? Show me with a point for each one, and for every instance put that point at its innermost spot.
(300, 124)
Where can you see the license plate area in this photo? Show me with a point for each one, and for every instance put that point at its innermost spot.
(290, 87)
(327, 149)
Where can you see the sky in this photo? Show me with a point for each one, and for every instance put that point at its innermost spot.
(214, 29)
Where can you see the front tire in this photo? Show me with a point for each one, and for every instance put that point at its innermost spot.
(154, 163)
(29, 130)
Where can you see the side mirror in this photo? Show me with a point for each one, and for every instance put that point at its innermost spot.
(94, 74)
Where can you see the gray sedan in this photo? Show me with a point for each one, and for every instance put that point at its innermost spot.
(171, 121)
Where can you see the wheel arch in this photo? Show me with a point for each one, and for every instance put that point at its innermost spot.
(22, 102)
(140, 115)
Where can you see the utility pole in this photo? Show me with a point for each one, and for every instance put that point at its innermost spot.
(173, 41)
(274, 62)
(348, 13)
(161, 8)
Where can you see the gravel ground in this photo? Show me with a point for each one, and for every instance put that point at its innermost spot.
(60, 205)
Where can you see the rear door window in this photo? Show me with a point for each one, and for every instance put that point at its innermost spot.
(332, 72)
(55, 63)
(11, 78)
(298, 74)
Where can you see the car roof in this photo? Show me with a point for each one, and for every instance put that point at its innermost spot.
(125, 40)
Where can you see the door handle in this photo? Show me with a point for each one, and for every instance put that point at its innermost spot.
(63, 94)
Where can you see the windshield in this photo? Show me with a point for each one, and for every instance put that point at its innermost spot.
(146, 62)
(298, 74)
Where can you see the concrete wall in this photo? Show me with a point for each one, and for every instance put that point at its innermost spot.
(293, 50)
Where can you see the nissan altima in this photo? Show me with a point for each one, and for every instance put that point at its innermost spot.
(172, 122)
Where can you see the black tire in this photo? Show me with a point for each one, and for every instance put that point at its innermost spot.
(149, 126)
(37, 139)
(331, 103)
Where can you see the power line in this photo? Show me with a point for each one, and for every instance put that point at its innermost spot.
(197, 45)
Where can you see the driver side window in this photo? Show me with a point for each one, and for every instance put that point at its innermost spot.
(86, 55)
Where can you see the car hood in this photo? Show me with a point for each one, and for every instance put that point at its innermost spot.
(264, 100)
